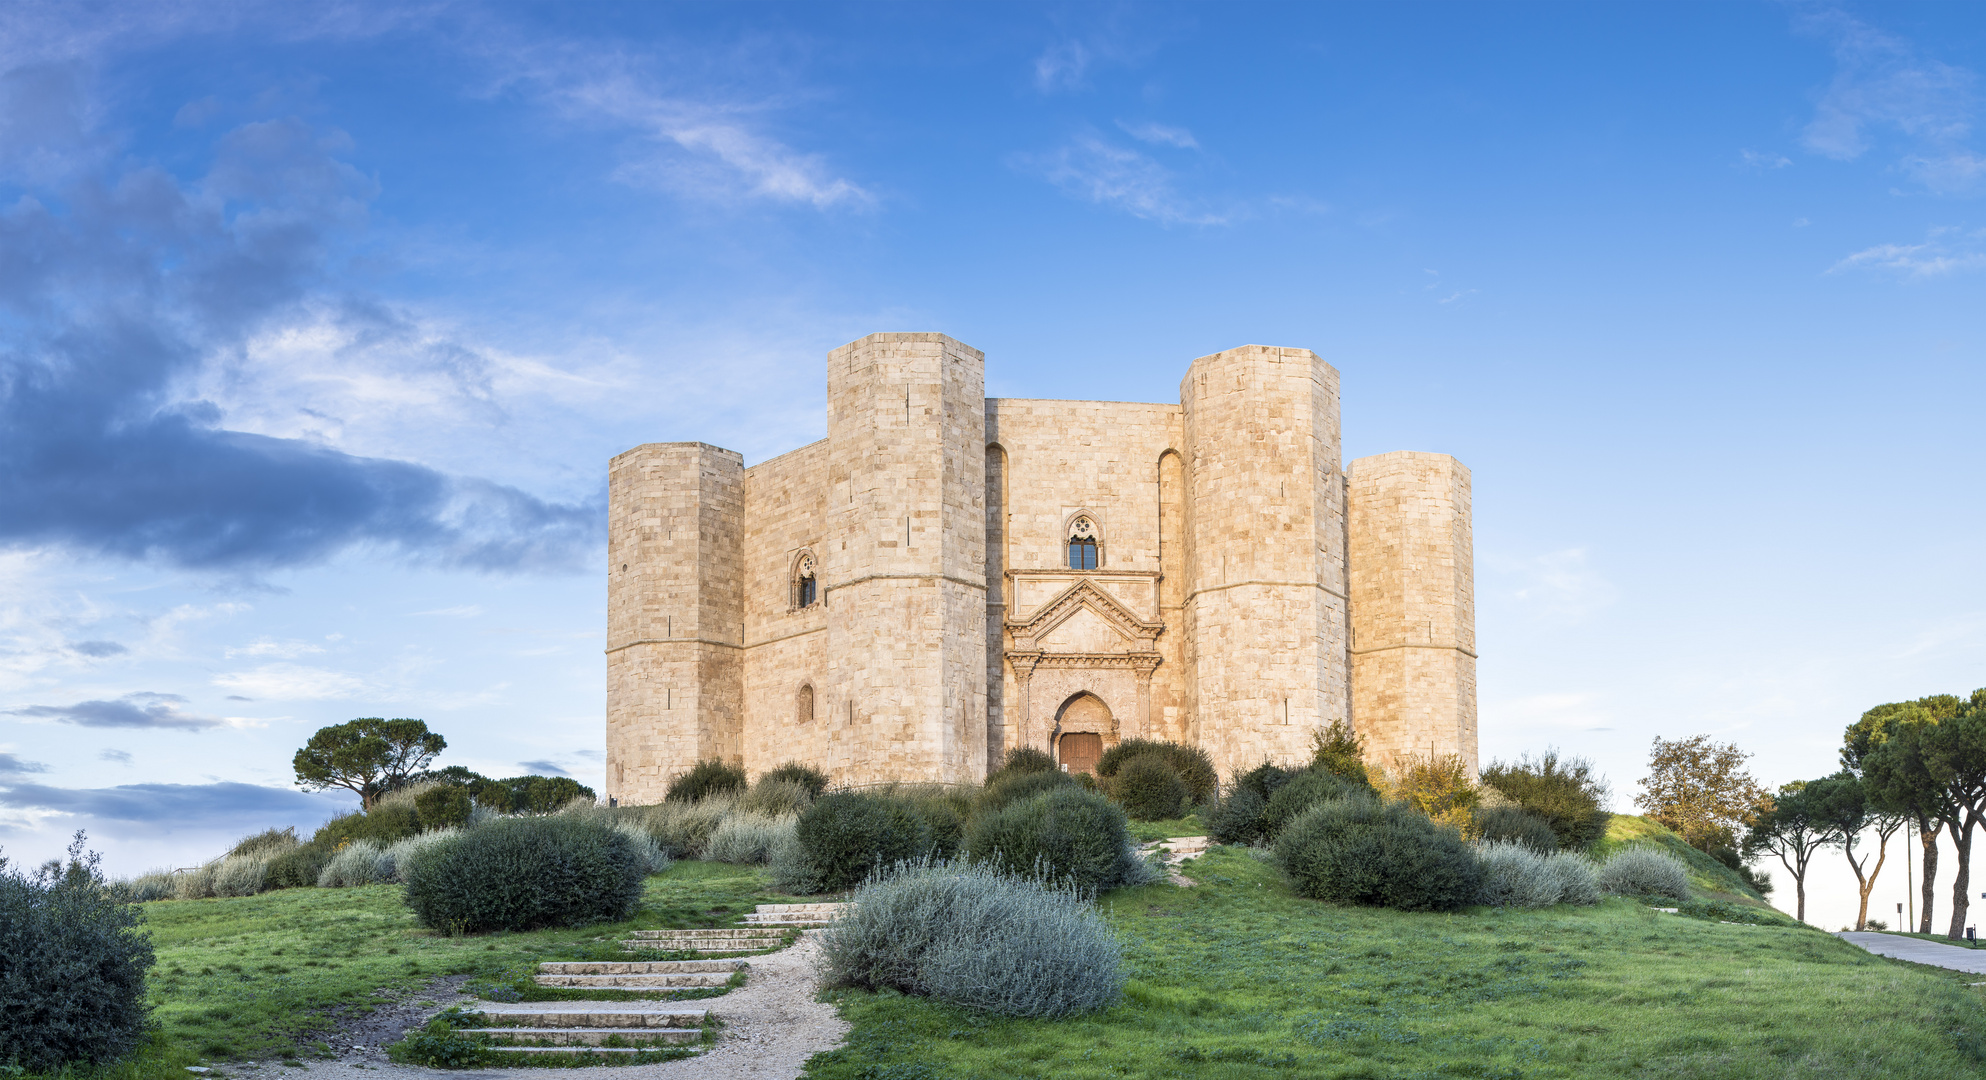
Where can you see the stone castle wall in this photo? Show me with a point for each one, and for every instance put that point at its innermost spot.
(1413, 607)
(948, 626)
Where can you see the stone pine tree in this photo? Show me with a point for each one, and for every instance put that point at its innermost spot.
(1955, 752)
(1699, 788)
(1844, 806)
(1793, 832)
(1898, 776)
(370, 756)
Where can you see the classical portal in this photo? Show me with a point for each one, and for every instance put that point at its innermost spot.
(947, 575)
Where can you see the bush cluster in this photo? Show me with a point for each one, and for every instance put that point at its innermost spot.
(1194, 768)
(1009, 786)
(1644, 872)
(1149, 789)
(72, 967)
(707, 778)
(973, 936)
(848, 835)
(749, 838)
(1069, 836)
(524, 873)
(1517, 875)
(1566, 793)
(1516, 825)
(1359, 850)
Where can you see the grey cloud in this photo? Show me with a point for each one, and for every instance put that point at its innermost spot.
(117, 281)
(543, 768)
(181, 805)
(98, 648)
(140, 710)
(10, 764)
(119, 756)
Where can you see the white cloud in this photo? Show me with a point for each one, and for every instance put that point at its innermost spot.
(1560, 585)
(291, 682)
(1089, 168)
(287, 650)
(1161, 135)
(1881, 83)
(1061, 66)
(460, 611)
(1753, 159)
(1945, 250)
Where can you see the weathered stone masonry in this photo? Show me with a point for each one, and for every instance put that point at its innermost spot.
(946, 576)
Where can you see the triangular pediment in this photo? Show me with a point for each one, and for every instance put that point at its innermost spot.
(1099, 611)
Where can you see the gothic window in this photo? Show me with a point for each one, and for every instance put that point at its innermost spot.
(805, 589)
(1082, 544)
(803, 709)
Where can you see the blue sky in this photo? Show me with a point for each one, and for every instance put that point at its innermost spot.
(317, 328)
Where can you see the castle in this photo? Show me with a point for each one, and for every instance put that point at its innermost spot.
(947, 576)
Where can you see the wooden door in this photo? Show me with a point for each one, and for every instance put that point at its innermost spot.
(1079, 751)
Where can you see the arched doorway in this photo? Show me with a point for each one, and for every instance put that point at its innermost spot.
(1081, 728)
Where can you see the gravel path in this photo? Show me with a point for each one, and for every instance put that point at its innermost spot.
(772, 1026)
(1919, 951)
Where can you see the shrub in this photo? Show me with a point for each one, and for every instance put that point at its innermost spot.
(1066, 835)
(1514, 824)
(1644, 872)
(1301, 792)
(156, 885)
(1190, 762)
(393, 860)
(1516, 875)
(1024, 759)
(526, 873)
(791, 871)
(808, 777)
(299, 867)
(1265, 778)
(944, 815)
(1338, 750)
(684, 829)
(1360, 850)
(443, 806)
(269, 842)
(706, 778)
(386, 823)
(1437, 785)
(1566, 793)
(74, 963)
(748, 838)
(1149, 788)
(240, 875)
(971, 936)
(360, 862)
(195, 884)
(1012, 787)
(776, 798)
(1237, 819)
(847, 835)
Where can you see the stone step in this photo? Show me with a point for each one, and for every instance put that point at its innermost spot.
(589, 1037)
(556, 1050)
(596, 1018)
(720, 932)
(636, 967)
(779, 909)
(687, 980)
(706, 945)
(801, 922)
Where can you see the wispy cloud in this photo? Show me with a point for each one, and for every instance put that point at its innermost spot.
(1088, 167)
(14, 766)
(1753, 159)
(1882, 83)
(287, 650)
(292, 682)
(1161, 135)
(1561, 585)
(543, 768)
(140, 710)
(1945, 250)
(122, 757)
(184, 805)
(460, 611)
(98, 649)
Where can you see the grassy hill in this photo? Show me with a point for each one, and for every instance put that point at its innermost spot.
(1235, 978)
(1706, 875)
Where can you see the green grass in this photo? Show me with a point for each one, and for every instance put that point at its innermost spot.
(261, 977)
(1707, 876)
(1240, 979)
(1148, 831)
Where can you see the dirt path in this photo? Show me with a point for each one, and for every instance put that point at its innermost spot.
(772, 1026)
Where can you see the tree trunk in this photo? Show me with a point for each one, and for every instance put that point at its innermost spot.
(1962, 877)
(1868, 886)
(1929, 838)
(1800, 892)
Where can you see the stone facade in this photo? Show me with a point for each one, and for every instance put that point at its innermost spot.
(947, 576)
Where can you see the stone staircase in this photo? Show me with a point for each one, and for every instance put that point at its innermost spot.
(590, 1026)
(637, 974)
(630, 1027)
(1177, 850)
(800, 915)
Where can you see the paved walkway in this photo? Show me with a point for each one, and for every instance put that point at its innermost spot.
(1919, 951)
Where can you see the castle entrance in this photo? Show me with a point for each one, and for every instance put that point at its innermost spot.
(1079, 751)
(1084, 724)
